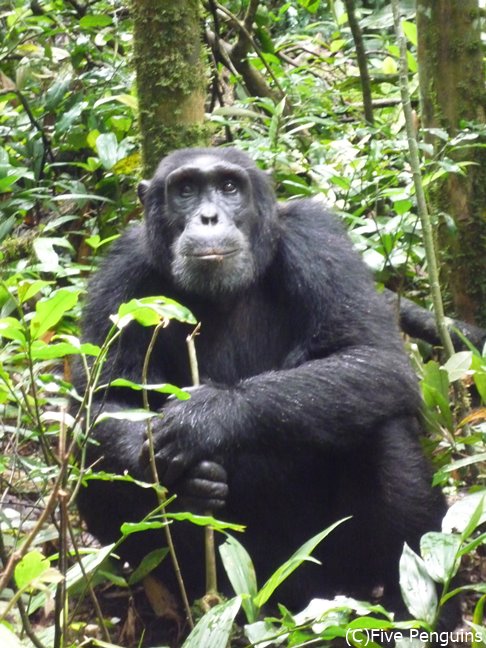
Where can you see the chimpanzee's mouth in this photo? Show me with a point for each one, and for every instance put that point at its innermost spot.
(214, 254)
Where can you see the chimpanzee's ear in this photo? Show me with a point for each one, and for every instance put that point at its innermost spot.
(142, 190)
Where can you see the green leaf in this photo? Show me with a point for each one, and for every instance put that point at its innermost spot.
(214, 629)
(440, 554)
(75, 575)
(42, 351)
(412, 62)
(435, 389)
(107, 148)
(128, 528)
(49, 311)
(8, 224)
(44, 249)
(12, 329)
(458, 365)
(95, 241)
(418, 589)
(469, 547)
(127, 415)
(98, 20)
(478, 364)
(32, 565)
(125, 99)
(205, 520)
(8, 638)
(401, 207)
(241, 573)
(161, 388)
(89, 563)
(148, 564)
(284, 571)
(337, 45)
(310, 5)
(150, 311)
(28, 289)
(410, 31)
(68, 118)
(389, 65)
(466, 514)
(262, 633)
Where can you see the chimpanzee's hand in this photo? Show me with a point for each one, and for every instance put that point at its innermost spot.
(187, 433)
(204, 489)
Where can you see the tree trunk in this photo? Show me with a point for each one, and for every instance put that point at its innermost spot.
(452, 89)
(171, 78)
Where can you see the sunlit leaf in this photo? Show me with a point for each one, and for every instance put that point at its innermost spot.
(133, 415)
(150, 311)
(49, 311)
(162, 388)
(12, 329)
(214, 628)
(458, 365)
(418, 588)
(42, 351)
(205, 520)
(410, 31)
(95, 20)
(466, 514)
(32, 565)
(439, 552)
(107, 148)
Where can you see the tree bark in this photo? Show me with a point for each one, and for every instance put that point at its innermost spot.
(453, 92)
(171, 77)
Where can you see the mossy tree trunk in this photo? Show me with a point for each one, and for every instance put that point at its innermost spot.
(171, 77)
(453, 92)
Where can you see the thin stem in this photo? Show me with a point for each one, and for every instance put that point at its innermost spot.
(209, 542)
(153, 467)
(419, 189)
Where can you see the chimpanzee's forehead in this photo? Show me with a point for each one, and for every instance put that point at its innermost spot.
(209, 163)
(204, 161)
(210, 166)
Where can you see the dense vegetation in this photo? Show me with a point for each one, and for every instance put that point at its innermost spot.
(69, 165)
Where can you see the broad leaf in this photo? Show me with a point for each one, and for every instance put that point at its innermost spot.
(439, 552)
(241, 574)
(50, 311)
(214, 629)
(418, 589)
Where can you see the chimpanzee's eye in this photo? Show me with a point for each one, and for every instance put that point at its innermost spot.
(229, 187)
(186, 190)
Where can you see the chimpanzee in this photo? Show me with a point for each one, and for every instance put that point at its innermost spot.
(308, 410)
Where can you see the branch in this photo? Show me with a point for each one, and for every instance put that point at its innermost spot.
(362, 62)
(254, 81)
(250, 16)
(238, 53)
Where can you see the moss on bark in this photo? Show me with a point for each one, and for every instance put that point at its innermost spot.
(171, 77)
(453, 91)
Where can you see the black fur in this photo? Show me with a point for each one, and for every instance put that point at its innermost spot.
(308, 412)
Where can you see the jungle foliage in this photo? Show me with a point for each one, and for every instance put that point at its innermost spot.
(283, 84)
